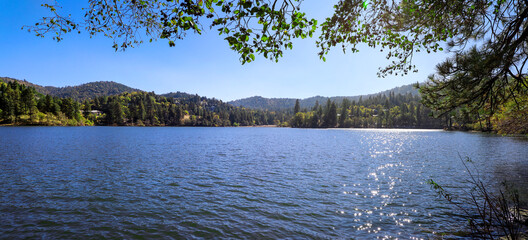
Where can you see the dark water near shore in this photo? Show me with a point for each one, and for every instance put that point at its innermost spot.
(131, 182)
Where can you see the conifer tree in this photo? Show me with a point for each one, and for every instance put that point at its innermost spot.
(297, 107)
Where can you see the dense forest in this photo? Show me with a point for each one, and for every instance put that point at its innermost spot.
(380, 111)
(21, 104)
(79, 93)
(408, 111)
(149, 109)
(510, 117)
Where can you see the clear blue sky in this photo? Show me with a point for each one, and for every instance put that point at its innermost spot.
(201, 64)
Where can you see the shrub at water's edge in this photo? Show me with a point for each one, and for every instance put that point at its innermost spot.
(490, 214)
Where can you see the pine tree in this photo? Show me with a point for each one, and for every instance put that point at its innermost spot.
(344, 112)
(297, 107)
(330, 119)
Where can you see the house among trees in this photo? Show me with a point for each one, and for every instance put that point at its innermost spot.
(93, 112)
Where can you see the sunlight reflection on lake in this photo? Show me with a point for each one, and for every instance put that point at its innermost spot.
(126, 182)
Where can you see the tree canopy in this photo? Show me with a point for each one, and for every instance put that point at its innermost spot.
(263, 27)
(488, 39)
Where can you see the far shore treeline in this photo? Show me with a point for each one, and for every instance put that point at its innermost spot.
(21, 103)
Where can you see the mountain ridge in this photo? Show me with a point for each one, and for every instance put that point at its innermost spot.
(108, 88)
(262, 103)
(80, 92)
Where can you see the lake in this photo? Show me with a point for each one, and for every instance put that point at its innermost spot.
(250, 183)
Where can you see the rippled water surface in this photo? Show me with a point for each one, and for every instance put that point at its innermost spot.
(121, 182)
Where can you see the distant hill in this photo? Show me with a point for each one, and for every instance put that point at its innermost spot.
(80, 93)
(180, 95)
(210, 103)
(97, 89)
(258, 102)
(40, 89)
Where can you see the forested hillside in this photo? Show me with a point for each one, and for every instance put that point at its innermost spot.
(277, 104)
(38, 88)
(149, 109)
(258, 102)
(21, 104)
(380, 111)
(91, 90)
(78, 93)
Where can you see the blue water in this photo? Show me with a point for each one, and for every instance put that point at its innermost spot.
(174, 183)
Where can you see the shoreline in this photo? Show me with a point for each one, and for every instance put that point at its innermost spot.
(269, 126)
(255, 126)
